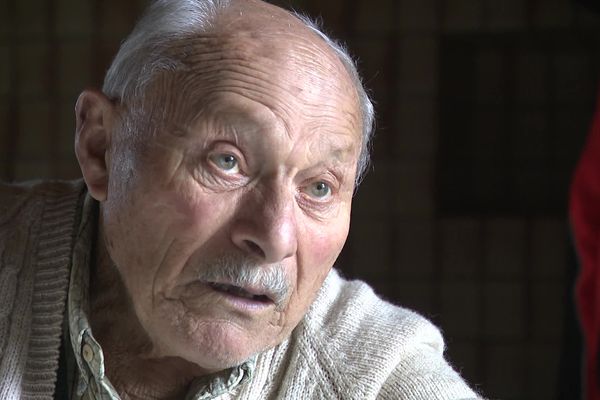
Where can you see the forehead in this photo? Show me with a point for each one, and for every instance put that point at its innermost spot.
(295, 77)
(230, 116)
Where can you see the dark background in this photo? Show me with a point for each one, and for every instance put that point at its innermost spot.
(483, 106)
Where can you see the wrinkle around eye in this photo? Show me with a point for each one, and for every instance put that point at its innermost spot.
(215, 180)
(320, 210)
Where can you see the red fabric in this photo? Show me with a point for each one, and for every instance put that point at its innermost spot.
(584, 210)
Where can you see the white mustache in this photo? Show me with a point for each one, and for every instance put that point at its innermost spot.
(270, 280)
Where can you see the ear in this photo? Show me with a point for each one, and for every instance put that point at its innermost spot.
(95, 114)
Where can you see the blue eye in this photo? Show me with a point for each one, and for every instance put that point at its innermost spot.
(319, 190)
(226, 162)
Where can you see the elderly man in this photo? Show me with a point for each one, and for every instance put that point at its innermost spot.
(219, 164)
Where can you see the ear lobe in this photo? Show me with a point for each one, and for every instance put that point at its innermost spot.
(94, 114)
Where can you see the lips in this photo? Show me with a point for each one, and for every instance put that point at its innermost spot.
(240, 292)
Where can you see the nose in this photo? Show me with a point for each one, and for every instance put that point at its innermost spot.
(265, 226)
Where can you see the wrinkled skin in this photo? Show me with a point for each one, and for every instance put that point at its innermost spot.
(267, 91)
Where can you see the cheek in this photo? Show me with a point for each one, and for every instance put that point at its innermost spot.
(195, 215)
(190, 207)
(327, 247)
(324, 244)
(320, 249)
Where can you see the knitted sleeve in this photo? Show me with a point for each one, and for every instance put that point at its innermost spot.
(362, 347)
(423, 374)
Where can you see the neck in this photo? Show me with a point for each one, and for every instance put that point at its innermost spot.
(128, 352)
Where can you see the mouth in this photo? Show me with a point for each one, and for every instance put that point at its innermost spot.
(238, 291)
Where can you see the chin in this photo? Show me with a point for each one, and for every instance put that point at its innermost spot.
(210, 335)
(212, 345)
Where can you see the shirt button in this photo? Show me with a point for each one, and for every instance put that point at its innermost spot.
(88, 353)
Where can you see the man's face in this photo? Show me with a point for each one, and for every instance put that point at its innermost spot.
(252, 166)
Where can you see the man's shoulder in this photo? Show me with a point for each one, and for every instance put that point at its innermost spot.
(16, 197)
(39, 187)
(29, 210)
(348, 314)
(357, 345)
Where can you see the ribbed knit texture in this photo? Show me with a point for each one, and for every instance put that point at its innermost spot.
(36, 235)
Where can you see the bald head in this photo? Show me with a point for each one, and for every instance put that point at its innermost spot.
(213, 38)
(255, 15)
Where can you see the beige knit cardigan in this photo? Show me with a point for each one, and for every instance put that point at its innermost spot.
(350, 345)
